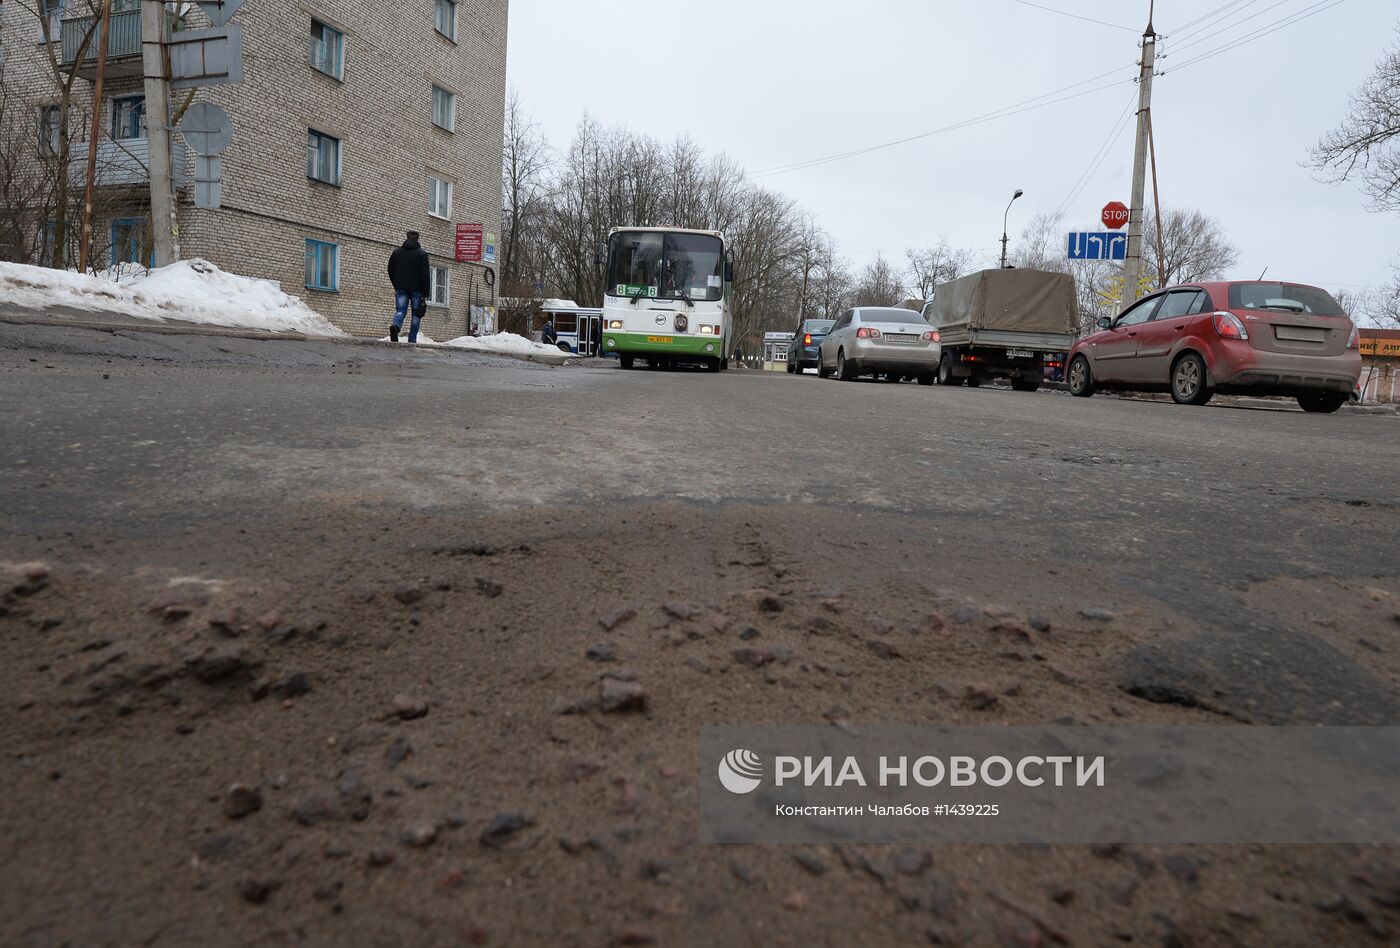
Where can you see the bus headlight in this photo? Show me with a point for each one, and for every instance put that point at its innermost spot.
(709, 330)
(614, 324)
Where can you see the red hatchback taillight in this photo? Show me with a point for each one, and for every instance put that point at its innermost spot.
(932, 336)
(807, 339)
(865, 332)
(1354, 341)
(1228, 326)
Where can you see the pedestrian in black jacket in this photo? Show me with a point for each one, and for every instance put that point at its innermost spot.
(408, 272)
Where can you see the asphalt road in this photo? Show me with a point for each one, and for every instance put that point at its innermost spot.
(1208, 565)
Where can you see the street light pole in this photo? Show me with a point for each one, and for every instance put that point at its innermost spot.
(1004, 218)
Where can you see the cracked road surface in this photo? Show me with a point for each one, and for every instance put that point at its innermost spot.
(231, 561)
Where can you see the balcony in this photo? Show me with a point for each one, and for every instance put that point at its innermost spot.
(123, 44)
(123, 163)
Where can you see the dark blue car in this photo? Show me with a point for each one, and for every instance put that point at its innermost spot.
(806, 344)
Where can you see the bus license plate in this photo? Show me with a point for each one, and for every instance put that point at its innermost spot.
(661, 339)
(1020, 353)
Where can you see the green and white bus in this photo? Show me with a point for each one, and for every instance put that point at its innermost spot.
(666, 297)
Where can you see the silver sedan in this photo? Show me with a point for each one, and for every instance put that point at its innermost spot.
(881, 341)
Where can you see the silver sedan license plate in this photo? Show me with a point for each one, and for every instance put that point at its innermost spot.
(902, 338)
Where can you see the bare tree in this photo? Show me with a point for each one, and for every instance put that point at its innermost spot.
(1367, 143)
(523, 189)
(879, 284)
(940, 263)
(1042, 245)
(1194, 248)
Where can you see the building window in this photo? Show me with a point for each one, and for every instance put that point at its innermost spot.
(439, 197)
(129, 117)
(322, 158)
(440, 286)
(49, 128)
(322, 266)
(444, 108)
(130, 243)
(447, 18)
(327, 50)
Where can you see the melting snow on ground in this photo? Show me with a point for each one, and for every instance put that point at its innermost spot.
(502, 343)
(192, 291)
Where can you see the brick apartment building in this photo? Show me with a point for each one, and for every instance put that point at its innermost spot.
(1380, 365)
(355, 123)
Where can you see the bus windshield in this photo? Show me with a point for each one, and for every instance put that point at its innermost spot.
(666, 266)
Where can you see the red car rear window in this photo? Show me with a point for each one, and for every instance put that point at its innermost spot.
(1284, 297)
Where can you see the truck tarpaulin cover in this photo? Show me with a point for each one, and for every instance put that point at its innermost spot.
(1025, 300)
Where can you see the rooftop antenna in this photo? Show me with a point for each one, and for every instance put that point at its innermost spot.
(1262, 275)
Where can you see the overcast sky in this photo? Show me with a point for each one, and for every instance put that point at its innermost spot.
(775, 82)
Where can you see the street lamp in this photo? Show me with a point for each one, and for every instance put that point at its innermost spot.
(1018, 193)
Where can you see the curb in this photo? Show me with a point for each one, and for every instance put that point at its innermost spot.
(229, 332)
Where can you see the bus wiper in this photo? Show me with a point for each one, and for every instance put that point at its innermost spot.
(686, 296)
(638, 295)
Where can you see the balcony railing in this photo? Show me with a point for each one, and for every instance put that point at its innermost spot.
(123, 42)
(126, 162)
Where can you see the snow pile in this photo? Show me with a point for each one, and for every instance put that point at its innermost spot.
(192, 291)
(507, 343)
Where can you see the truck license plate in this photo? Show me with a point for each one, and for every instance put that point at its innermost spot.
(1020, 353)
(660, 339)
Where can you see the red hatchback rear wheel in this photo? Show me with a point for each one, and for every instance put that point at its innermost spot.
(1190, 383)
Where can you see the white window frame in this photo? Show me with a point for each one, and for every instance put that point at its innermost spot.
(434, 283)
(451, 108)
(435, 186)
(437, 9)
(339, 157)
(337, 72)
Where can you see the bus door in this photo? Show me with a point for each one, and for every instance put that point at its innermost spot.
(590, 335)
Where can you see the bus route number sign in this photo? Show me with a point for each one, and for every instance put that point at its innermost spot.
(625, 289)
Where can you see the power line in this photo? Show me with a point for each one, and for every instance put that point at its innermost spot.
(1307, 13)
(1210, 35)
(1223, 6)
(1114, 133)
(1220, 15)
(1016, 109)
(1075, 16)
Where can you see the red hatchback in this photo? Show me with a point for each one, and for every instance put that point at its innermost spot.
(1233, 338)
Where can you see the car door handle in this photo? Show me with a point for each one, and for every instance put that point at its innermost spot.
(1132, 334)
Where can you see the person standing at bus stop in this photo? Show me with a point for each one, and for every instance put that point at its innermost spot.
(408, 272)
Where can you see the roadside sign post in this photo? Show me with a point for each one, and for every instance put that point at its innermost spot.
(1116, 215)
(1092, 246)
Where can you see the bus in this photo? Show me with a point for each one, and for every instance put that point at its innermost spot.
(665, 297)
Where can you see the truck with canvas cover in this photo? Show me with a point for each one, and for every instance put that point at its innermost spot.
(1011, 324)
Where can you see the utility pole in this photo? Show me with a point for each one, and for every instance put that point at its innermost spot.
(85, 247)
(1132, 266)
(164, 224)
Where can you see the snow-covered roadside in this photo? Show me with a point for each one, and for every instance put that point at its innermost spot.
(192, 291)
(502, 343)
(507, 343)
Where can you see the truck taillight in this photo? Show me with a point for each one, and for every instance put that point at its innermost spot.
(932, 336)
(1228, 326)
(865, 332)
(807, 339)
(1354, 341)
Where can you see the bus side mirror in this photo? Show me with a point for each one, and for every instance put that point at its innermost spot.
(729, 271)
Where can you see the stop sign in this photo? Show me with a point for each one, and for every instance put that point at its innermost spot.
(1115, 215)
